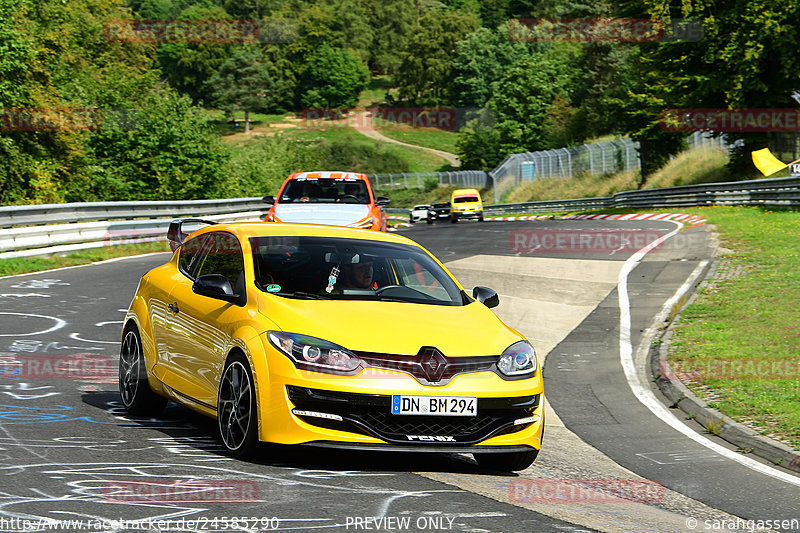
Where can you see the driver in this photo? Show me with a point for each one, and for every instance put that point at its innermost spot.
(358, 275)
(351, 190)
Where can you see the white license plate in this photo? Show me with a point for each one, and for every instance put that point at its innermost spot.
(434, 405)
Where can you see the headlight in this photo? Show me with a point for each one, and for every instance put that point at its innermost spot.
(363, 224)
(519, 359)
(315, 354)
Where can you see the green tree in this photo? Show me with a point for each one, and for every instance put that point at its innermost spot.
(188, 66)
(164, 150)
(480, 62)
(424, 74)
(243, 83)
(478, 144)
(747, 58)
(335, 78)
(524, 98)
(61, 63)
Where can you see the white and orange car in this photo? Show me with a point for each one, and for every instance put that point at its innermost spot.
(329, 198)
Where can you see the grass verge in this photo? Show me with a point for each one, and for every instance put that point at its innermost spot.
(22, 265)
(737, 345)
(705, 165)
(580, 186)
(428, 137)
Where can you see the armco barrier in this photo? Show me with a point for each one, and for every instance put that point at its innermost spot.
(57, 228)
(30, 230)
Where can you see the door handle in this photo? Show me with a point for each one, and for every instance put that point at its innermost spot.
(173, 307)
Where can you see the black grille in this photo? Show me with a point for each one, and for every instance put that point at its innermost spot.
(370, 414)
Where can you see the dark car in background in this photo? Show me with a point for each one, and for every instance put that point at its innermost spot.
(438, 211)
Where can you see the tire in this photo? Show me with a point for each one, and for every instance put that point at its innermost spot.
(237, 416)
(429, 220)
(480, 217)
(410, 220)
(506, 462)
(135, 393)
(453, 219)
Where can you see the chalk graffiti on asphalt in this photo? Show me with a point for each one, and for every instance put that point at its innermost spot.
(21, 391)
(33, 346)
(38, 284)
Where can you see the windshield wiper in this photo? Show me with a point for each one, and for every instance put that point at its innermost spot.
(396, 299)
(306, 295)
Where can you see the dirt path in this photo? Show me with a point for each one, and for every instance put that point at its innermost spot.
(363, 125)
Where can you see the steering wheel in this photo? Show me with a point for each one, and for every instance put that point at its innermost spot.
(345, 197)
(401, 291)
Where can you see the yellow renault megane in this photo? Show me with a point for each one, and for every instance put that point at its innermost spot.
(329, 337)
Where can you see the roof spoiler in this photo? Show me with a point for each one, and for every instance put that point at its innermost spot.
(175, 234)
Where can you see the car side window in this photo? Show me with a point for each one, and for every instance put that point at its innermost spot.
(224, 256)
(190, 255)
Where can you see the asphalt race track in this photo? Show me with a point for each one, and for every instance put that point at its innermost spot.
(67, 448)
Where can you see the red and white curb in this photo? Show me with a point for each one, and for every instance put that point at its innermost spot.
(692, 220)
(532, 217)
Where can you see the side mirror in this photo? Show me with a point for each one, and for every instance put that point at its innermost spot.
(268, 199)
(382, 200)
(486, 296)
(215, 286)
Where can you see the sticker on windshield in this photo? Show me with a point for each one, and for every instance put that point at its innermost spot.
(273, 288)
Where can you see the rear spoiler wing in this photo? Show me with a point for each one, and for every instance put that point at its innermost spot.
(175, 234)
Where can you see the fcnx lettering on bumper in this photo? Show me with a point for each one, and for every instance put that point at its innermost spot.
(431, 438)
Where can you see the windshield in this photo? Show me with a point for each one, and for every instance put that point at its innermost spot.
(350, 269)
(325, 191)
(465, 199)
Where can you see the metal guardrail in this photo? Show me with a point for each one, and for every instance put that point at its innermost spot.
(58, 228)
(11, 216)
(31, 230)
(774, 192)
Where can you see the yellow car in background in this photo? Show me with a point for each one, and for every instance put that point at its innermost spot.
(465, 203)
(329, 337)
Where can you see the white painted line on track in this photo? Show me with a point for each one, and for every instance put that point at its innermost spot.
(644, 394)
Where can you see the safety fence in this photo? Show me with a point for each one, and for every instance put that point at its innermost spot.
(473, 179)
(595, 158)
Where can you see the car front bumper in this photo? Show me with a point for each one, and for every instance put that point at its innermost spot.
(303, 407)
